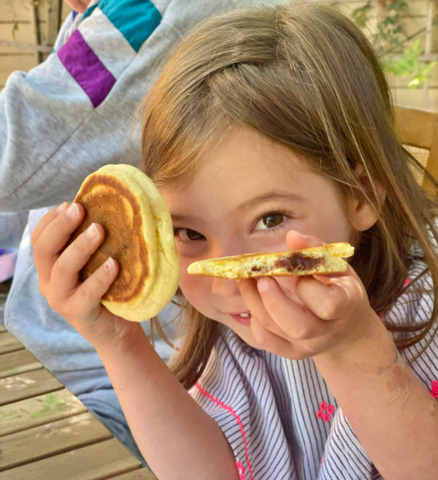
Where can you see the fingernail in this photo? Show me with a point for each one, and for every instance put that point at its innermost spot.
(263, 285)
(91, 231)
(62, 207)
(109, 264)
(72, 211)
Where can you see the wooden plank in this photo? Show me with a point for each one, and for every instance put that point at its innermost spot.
(27, 385)
(11, 10)
(40, 22)
(66, 10)
(142, 474)
(95, 462)
(17, 362)
(51, 439)
(8, 343)
(415, 98)
(40, 410)
(25, 46)
(25, 32)
(416, 126)
(432, 161)
(2, 329)
(53, 21)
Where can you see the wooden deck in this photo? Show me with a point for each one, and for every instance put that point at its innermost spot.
(46, 433)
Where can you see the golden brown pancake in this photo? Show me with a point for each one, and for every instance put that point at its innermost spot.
(310, 261)
(139, 235)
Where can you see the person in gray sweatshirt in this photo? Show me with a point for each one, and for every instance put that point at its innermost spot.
(60, 122)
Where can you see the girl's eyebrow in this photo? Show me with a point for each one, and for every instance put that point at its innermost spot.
(251, 203)
(265, 197)
(181, 218)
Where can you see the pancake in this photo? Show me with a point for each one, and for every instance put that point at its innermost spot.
(309, 261)
(139, 235)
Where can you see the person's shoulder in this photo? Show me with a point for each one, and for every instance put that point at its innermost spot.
(183, 15)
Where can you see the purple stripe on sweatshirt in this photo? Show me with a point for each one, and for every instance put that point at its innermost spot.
(86, 68)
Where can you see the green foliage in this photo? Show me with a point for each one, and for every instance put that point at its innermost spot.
(399, 53)
(15, 28)
(360, 15)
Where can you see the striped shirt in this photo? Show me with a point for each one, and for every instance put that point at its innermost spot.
(280, 417)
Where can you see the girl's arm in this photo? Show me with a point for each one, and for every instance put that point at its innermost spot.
(330, 319)
(175, 435)
(178, 439)
(394, 417)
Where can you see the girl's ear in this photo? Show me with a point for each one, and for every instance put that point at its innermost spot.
(363, 214)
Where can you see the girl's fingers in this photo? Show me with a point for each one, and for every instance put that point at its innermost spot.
(329, 298)
(271, 342)
(248, 289)
(90, 292)
(52, 240)
(65, 272)
(297, 241)
(275, 312)
(46, 220)
(296, 322)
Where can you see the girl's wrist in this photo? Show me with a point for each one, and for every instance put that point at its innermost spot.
(374, 345)
(123, 339)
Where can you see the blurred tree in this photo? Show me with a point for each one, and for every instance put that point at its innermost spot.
(400, 53)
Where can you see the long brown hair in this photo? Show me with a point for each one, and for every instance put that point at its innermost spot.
(306, 77)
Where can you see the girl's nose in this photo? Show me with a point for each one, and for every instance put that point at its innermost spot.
(225, 288)
(226, 248)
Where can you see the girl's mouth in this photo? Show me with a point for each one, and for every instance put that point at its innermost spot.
(243, 318)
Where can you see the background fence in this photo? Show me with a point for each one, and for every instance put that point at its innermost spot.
(28, 29)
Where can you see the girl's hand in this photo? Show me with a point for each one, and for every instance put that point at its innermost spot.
(301, 317)
(58, 271)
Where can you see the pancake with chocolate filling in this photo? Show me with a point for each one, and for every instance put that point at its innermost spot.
(138, 234)
(310, 261)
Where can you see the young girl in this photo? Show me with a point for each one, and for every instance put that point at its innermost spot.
(272, 129)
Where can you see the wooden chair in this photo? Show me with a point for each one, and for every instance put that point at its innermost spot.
(418, 130)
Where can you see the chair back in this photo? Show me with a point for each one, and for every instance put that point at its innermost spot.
(418, 130)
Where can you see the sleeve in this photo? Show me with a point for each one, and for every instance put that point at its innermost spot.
(12, 226)
(74, 113)
(235, 391)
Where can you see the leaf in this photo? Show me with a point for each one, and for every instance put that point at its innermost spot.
(360, 15)
(398, 6)
(397, 50)
(425, 73)
(15, 28)
(389, 20)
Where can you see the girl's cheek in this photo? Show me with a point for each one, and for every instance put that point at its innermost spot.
(196, 291)
(189, 284)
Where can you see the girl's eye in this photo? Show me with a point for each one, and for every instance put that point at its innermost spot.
(187, 235)
(270, 221)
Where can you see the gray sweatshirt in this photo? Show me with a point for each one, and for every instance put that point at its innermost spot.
(63, 120)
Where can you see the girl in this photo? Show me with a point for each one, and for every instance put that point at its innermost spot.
(272, 129)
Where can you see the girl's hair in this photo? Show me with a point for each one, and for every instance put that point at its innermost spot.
(306, 77)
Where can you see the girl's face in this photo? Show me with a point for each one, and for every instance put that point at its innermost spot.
(244, 199)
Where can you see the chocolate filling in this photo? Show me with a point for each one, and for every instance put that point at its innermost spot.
(298, 262)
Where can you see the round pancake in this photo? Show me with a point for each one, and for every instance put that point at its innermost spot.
(139, 235)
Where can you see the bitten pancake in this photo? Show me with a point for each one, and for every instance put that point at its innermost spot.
(139, 235)
(310, 261)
